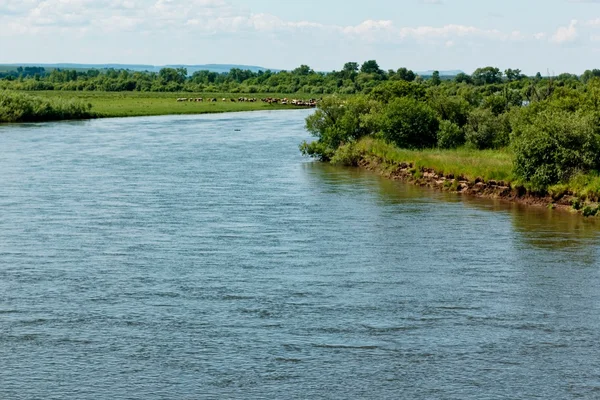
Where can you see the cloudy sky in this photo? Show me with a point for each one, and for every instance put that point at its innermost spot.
(535, 35)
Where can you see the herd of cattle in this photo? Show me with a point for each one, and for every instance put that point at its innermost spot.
(269, 100)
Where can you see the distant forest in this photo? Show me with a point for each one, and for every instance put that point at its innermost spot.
(353, 78)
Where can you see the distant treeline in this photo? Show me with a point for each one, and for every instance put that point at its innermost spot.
(23, 72)
(353, 78)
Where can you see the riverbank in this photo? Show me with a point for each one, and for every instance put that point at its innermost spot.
(34, 106)
(479, 173)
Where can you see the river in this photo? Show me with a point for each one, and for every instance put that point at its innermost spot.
(188, 257)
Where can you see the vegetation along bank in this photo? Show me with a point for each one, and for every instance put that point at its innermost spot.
(525, 139)
(491, 133)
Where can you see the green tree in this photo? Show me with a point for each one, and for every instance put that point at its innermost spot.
(487, 76)
(405, 74)
(336, 122)
(350, 70)
(303, 70)
(407, 123)
(485, 130)
(513, 74)
(389, 90)
(371, 67)
(435, 78)
(463, 78)
(452, 108)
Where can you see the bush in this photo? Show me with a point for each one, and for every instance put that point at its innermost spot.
(347, 154)
(496, 103)
(450, 136)
(486, 130)
(555, 146)
(18, 107)
(453, 109)
(390, 90)
(336, 122)
(407, 123)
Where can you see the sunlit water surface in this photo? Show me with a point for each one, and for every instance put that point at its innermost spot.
(177, 257)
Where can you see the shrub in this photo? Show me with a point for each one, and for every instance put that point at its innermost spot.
(336, 122)
(18, 107)
(347, 154)
(556, 145)
(407, 123)
(453, 109)
(486, 130)
(450, 136)
(390, 90)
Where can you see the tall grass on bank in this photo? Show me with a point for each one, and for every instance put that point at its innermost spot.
(20, 107)
(463, 162)
(468, 163)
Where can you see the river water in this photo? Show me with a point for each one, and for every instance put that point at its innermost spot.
(188, 257)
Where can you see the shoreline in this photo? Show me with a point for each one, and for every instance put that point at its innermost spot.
(478, 188)
(82, 105)
(165, 114)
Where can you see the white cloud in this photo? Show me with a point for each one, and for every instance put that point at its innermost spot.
(204, 17)
(167, 29)
(565, 34)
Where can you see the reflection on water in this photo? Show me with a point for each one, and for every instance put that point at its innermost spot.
(203, 257)
(552, 230)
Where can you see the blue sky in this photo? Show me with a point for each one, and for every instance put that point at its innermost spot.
(551, 36)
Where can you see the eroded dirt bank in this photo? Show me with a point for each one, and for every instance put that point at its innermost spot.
(491, 189)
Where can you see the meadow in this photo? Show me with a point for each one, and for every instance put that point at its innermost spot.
(131, 104)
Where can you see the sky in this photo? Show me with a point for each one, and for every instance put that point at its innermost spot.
(549, 36)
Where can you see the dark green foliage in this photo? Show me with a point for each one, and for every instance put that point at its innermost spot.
(463, 78)
(513, 74)
(371, 67)
(551, 125)
(485, 130)
(435, 78)
(487, 76)
(387, 91)
(554, 145)
(336, 122)
(497, 104)
(404, 74)
(589, 211)
(18, 107)
(452, 108)
(407, 123)
(450, 135)
(589, 74)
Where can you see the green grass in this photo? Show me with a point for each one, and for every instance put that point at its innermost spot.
(468, 163)
(584, 186)
(130, 104)
(472, 164)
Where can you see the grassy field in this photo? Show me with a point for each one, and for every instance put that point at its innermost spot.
(130, 104)
(469, 163)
